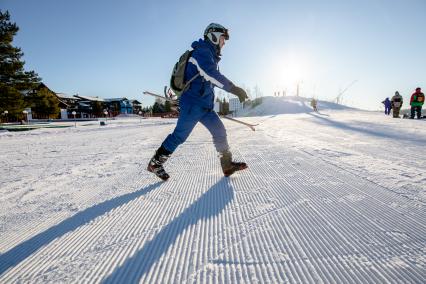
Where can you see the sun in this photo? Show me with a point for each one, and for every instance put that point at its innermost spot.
(290, 69)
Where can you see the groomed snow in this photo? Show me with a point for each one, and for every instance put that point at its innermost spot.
(332, 197)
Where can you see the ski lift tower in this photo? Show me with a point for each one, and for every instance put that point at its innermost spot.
(339, 96)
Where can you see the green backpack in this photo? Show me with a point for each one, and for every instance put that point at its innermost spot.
(177, 81)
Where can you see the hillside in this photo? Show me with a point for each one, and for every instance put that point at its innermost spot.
(287, 105)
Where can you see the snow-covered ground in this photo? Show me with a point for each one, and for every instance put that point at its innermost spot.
(332, 197)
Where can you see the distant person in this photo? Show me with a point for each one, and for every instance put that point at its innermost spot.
(314, 104)
(396, 102)
(417, 100)
(197, 103)
(387, 104)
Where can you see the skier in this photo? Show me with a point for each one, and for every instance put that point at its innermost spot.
(396, 102)
(197, 102)
(314, 104)
(387, 104)
(417, 100)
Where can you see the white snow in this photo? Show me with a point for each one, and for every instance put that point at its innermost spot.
(332, 197)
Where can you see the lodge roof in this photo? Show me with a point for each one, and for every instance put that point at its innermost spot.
(136, 102)
(65, 96)
(116, 99)
(92, 99)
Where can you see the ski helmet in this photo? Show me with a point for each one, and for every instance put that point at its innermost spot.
(214, 31)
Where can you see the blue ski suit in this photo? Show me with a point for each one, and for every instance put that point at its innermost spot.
(197, 102)
(388, 105)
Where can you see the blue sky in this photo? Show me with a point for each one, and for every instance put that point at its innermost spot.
(121, 48)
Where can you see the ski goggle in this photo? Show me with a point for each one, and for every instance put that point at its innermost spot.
(223, 32)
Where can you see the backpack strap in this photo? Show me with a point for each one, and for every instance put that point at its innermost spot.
(190, 81)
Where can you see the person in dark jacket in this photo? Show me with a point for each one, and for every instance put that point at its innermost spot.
(387, 104)
(396, 102)
(417, 100)
(197, 102)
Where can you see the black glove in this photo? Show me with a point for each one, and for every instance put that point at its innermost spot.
(240, 93)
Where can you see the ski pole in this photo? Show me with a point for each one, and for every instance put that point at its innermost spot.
(249, 125)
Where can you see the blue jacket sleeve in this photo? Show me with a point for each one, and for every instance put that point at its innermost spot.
(207, 68)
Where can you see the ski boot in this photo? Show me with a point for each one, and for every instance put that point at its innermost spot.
(156, 163)
(228, 166)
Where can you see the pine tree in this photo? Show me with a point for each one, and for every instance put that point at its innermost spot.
(158, 107)
(12, 101)
(97, 108)
(167, 106)
(13, 79)
(44, 103)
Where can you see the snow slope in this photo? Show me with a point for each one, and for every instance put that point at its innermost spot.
(334, 197)
(287, 105)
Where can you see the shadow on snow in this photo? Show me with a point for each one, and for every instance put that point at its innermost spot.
(369, 129)
(210, 204)
(20, 252)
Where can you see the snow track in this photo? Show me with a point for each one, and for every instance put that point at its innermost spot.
(97, 216)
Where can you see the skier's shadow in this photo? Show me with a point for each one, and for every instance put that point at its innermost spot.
(210, 204)
(20, 252)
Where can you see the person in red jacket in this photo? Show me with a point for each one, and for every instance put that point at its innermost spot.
(417, 100)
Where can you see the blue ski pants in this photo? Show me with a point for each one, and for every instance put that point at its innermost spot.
(387, 110)
(189, 116)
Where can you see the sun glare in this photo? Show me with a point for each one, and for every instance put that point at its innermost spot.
(290, 70)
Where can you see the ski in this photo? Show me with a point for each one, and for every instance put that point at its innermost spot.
(249, 125)
(158, 96)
